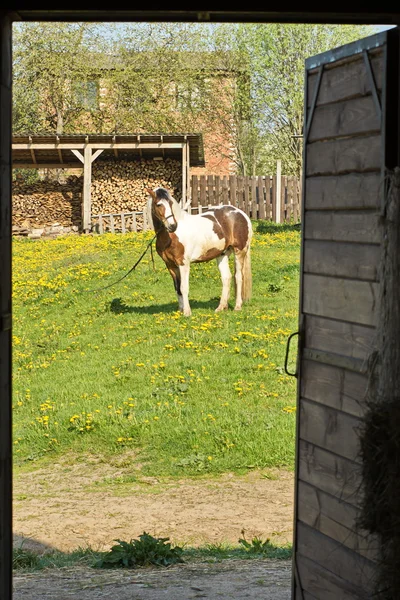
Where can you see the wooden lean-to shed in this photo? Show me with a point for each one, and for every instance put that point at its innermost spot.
(71, 151)
(351, 141)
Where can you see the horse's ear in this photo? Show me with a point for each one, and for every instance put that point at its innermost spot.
(151, 192)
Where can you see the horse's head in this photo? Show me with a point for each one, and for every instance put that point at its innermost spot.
(163, 208)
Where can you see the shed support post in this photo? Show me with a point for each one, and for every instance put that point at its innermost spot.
(188, 182)
(87, 184)
(183, 202)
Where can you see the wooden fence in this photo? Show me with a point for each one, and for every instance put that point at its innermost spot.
(268, 197)
(271, 198)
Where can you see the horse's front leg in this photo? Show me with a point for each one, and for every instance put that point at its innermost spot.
(184, 271)
(176, 278)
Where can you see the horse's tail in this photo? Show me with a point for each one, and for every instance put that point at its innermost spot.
(247, 279)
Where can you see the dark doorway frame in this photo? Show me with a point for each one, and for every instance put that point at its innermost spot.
(19, 12)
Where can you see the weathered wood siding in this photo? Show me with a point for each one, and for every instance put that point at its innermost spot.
(344, 160)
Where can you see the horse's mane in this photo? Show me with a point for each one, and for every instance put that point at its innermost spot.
(163, 193)
(176, 207)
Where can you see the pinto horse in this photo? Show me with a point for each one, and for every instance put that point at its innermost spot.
(183, 239)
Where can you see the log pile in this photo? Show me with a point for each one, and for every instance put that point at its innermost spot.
(118, 186)
(46, 203)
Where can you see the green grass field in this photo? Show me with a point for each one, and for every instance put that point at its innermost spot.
(122, 370)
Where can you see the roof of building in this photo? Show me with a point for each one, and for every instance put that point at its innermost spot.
(65, 150)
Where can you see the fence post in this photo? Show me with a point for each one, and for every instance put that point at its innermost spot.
(278, 191)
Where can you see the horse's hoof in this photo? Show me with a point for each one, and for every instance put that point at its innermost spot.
(237, 308)
(221, 307)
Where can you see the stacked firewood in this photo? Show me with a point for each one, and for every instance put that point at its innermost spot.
(46, 203)
(120, 186)
(117, 187)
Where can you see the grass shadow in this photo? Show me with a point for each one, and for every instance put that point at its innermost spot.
(270, 227)
(118, 307)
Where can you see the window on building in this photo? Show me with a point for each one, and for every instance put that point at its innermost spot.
(87, 94)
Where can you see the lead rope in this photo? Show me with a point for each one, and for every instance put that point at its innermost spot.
(149, 245)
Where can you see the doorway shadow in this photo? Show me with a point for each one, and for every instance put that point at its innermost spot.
(31, 544)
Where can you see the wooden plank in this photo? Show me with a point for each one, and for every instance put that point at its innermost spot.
(341, 259)
(336, 360)
(269, 198)
(346, 80)
(350, 117)
(232, 190)
(195, 191)
(336, 519)
(225, 195)
(240, 192)
(330, 429)
(345, 299)
(331, 386)
(261, 199)
(203, 193)
(112, 227)
(347, 155)
(273, 187)
(356, 572)
(343, 226)
(246, 207)
(295, 208)
(347, 339)
(254, 207)
(210, 190)
(123, 227)
(352, 191)
(322, 584)
(217, 194)
(101, 227)
(86, 193)
(283, 198)
(330, 473)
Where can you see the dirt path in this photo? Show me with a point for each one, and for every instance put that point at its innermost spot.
(90, 504)
(238, 579)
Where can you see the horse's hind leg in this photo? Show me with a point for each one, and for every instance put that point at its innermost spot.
(226, 276)
(239, 263)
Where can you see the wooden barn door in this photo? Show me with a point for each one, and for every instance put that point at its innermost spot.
(350, 138)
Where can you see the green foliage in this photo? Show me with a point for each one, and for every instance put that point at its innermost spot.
(277, 54)
(145, 551)
(265, 548)
(25, 176)
(25, 559)
(49, 61)
(242, 82)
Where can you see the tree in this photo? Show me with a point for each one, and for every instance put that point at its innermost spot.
(53, 66)
(277, 54)
(241, 85)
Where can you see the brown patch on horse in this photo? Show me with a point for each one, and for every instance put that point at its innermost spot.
(170, 248)
(210, 254)
(230, 224)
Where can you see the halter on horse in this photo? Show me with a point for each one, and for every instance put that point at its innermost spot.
(216, 233)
